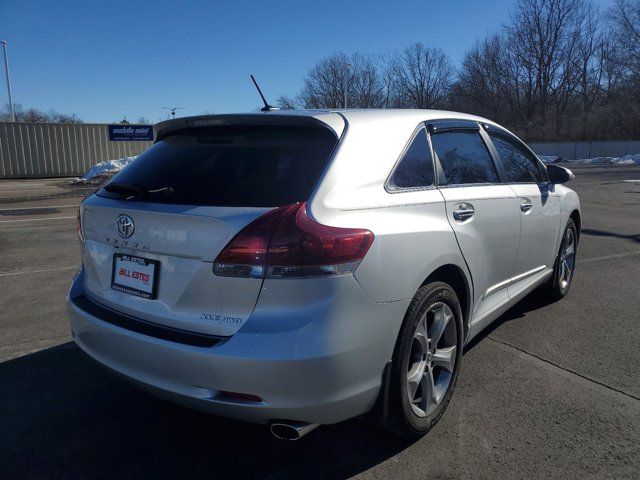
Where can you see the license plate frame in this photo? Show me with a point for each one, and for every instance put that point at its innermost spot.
(145, 262)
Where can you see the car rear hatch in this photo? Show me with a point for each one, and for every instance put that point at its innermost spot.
(151, 235)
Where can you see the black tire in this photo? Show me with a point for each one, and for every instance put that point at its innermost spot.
(402, 417)
(555, 289)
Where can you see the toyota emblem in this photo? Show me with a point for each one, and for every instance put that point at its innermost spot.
(125, 226)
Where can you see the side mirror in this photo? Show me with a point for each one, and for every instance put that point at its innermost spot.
(558, 174)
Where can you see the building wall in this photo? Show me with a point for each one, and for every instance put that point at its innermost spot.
(58, 150)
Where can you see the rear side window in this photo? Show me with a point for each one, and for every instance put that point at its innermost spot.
(415, 168)
(245, 166)
(464, 157)
(519, 165)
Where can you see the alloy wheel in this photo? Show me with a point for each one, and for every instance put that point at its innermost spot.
(432, 359)
(567, 258)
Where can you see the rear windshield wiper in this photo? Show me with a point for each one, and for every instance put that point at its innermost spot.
(125, 188)
(161, 190)
(133, 190)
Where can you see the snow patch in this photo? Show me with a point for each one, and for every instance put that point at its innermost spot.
(633, 159)
(102, 171)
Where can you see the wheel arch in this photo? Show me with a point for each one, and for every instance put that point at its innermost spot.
(575, 216)
(456, 278)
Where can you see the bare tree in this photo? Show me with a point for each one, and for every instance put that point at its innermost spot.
(624, 104)
(34, 115)
(324, 86)
(588, 59)
(56, 117)
(545, 68)
(366, 86)
(559, 69)
(611, 57)
(485, 83)
(284, 102)
(422, 77)
(625, 16)
(541, 32)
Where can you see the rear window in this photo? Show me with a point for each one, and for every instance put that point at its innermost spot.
(244, 166)
(415, 169)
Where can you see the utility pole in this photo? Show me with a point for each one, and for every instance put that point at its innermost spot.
(6, 68)
(173, 110)
(346, 82)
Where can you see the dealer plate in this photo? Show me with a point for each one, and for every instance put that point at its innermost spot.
(135, 275)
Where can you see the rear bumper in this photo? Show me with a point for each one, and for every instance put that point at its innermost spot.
(318, 369)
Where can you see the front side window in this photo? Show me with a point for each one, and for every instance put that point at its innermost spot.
(464, 158)
(518, 164)
(415, 169)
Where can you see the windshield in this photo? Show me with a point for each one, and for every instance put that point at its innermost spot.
(253, 166)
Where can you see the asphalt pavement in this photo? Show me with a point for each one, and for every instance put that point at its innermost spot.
(548, 391)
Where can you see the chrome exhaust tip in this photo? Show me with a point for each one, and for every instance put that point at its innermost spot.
(291, 431)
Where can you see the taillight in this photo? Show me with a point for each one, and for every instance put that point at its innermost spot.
(79, 224)
(285, 242)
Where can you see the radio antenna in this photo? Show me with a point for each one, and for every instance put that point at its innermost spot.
(267, 107)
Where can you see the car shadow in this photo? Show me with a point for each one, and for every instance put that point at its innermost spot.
(603, 233)
(63, 416)
(532, 302)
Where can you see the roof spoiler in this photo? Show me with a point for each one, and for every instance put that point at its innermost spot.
(332, 121)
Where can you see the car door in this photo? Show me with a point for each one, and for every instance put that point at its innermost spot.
(482, 211)
(539, 209)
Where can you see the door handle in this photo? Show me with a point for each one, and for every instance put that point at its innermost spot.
(525, 205)
(463, 212)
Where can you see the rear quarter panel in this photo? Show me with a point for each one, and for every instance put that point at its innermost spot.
(412, 235)
(411, 241)
(569, 201)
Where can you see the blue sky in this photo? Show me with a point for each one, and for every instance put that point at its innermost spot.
(103, 60)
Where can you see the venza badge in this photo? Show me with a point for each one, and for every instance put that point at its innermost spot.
(125, 226)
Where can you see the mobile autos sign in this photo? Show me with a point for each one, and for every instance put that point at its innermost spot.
(130, 133)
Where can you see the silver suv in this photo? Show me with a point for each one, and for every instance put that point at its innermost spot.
(304, 268)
